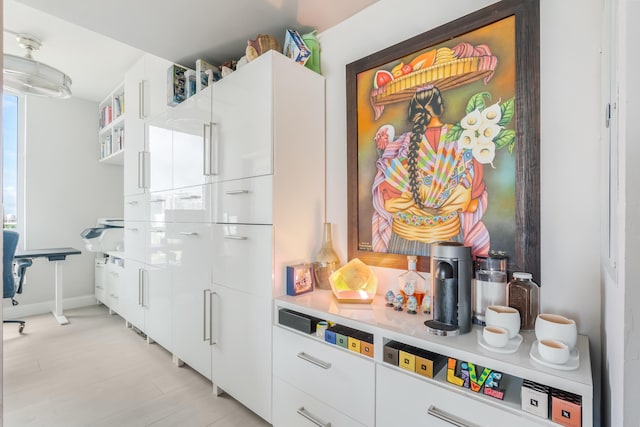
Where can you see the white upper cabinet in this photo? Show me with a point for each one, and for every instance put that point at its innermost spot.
(242, 130)
(192, 134)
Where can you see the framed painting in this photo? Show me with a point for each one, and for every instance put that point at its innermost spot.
(443, 136)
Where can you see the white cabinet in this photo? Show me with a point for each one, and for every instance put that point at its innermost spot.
(341, 379)
(111, 122)
(191, 294)
(294, 407)
(266, 152)
(426, 404)
(241, 360)
(100, 279)
(159, 154)
(114, 284)
(145, 86)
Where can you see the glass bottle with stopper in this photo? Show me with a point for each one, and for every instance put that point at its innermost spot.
(326, 260)
(412, 283)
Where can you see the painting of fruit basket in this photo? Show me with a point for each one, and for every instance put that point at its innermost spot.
(443, 141)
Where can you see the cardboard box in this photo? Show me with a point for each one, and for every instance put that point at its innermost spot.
(566, 408)
(295, 48)
(535, 398)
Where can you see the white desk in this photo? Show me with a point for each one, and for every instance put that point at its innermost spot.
(55, 255)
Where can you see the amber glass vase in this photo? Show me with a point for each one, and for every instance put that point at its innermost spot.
(326, 260)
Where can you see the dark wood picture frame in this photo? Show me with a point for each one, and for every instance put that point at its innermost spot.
(526, 14)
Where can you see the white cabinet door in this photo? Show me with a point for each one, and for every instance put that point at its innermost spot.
(191, 294)
(159, 137)
(242, 112)
(134, 137)
(293, 407)
(131, 300)
(402, 399)
(114, 287)
(156, 300)
(135, 235)
(243, 257)
(155, 78)
(241, 352)
(191, 204)
(245, 201)
(192, 133)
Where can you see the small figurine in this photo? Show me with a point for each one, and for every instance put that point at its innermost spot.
(389, 297)
(426, 304)
(398, 302)
(412, 305)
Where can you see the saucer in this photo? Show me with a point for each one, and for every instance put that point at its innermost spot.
(569, 365)
(511, 347)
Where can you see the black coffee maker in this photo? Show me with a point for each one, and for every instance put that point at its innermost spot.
(451, 274)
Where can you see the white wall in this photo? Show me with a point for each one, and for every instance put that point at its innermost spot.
(571, 117)
(65, 189)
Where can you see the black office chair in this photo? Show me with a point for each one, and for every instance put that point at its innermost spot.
(13, 271)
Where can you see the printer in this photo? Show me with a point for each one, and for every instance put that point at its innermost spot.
(107, 235)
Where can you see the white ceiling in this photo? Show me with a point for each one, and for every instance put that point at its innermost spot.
(94, 42)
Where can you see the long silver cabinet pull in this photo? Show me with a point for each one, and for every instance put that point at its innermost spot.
(140, 99)
(140, 287)
(188, 233)
(235, 237)
(204, 314)
(133, 202)
(191, 197)
(158, 200)
(144, 281)
(213, 159)
(449, 418)
(211, 341)
(308, 415)
(132, 229)
(140, 169)
(304, 356)
(206, 149)
(142, 114)
(234, 192)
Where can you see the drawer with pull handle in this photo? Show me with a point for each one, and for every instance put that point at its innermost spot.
(246, 201)
(293, 407)
(342, 380)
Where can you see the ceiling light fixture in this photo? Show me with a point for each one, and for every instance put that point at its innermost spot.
(27, 75)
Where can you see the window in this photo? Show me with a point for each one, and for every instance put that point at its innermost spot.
(10, 159)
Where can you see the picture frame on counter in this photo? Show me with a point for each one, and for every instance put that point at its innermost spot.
(300, 279)
(443, 135)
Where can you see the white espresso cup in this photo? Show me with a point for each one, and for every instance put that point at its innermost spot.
(504, 317)
(553, 351)
(495, 336)
(556, 327)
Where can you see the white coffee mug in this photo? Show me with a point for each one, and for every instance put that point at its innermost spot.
(504, 317)
(556, 327)
(553, 351)
(495, 336)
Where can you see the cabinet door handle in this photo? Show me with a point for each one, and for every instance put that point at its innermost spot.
(142, 114)
(211, 341)
(304, 356)
(140, 287)
(140, 169)
(133, 203)
(191, 197)
(308, 415)
(206, 149)
(132, 229)
(235, 237)
(158, 200)
(234, 192)
(113, 296)
(204, 314)
(447, 417)
(188, 233)
(215, 151)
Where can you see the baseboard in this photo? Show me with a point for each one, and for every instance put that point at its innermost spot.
(25, 310)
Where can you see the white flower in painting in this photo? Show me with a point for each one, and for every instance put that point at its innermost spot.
(491, 115)
(467, 140)
(484, 152)
(471, 121)
(487, 133)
